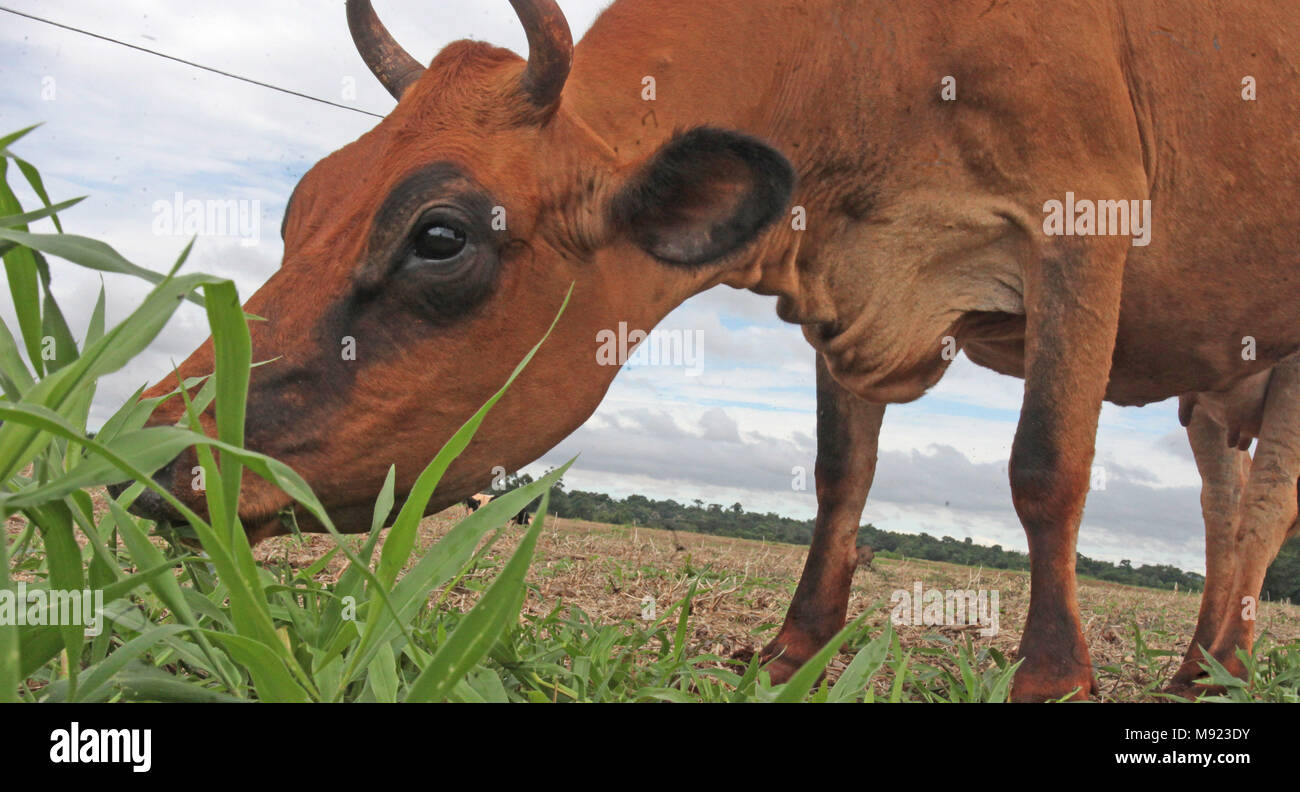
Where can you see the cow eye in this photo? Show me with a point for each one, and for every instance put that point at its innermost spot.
(438, 241)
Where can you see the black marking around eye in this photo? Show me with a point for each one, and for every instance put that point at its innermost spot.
(394, 223)
(394, 294)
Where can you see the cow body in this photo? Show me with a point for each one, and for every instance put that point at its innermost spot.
(923, 231)
(925, 222)
(922, 212)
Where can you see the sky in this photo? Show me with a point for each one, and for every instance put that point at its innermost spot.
(132, 131)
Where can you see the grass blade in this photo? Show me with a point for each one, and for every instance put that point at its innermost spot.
(482, 626)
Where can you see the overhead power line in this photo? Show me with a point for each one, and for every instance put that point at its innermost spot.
(250, 80)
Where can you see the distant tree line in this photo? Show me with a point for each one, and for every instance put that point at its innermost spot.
(1282, 582)
(1283, 578)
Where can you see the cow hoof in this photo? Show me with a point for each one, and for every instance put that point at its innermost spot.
(781, 669)
(1184, 681)
(1185, 686)
(1186, 690)
(780, 661)
(1036, 689)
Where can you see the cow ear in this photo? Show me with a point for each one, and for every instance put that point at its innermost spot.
(703, 194)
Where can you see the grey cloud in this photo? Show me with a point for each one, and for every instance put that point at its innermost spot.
(719, 427)
(1129, 517)
(1175, 443)
(714, 452)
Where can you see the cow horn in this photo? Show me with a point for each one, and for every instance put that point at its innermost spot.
(550, 51)
(394, 66)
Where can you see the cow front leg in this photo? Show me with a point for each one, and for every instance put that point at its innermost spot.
(1266, 515)
(847, 433)
(1072, 312)
(1224, 472)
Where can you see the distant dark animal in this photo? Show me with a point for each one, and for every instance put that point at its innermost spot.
(865, 556)
(476, 502)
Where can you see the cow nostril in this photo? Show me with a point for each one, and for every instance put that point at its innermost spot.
(150, 504)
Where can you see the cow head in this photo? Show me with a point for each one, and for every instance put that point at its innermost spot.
(423, 260)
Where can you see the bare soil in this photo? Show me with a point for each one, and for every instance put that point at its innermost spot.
(609, 571)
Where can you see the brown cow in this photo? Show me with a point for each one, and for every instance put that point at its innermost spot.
(924, 151)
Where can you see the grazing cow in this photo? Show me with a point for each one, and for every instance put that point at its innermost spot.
(943, 170)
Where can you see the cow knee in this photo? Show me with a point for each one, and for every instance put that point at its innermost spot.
(1046, 493)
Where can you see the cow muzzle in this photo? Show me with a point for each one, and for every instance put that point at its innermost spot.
(149, 504)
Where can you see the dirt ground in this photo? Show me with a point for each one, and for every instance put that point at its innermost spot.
(609, 571)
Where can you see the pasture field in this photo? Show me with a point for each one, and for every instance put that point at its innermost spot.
(583, 632)
(605, 573)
